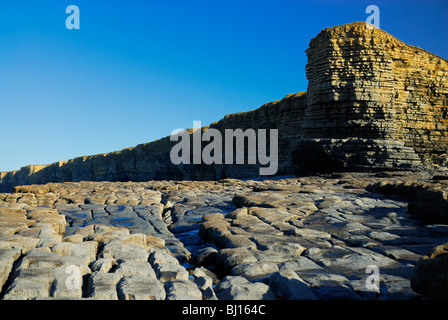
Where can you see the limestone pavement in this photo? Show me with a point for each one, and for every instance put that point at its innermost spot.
(289, 238)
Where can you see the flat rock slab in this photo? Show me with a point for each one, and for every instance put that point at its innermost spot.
(135, 268)
(140, 288)
(239, 288)
(296, 238)
(182, 290)
(103, 285)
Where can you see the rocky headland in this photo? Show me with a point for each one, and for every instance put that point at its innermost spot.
(373, 103)
(361, 184)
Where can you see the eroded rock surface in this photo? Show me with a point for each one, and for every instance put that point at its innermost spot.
(292, 238)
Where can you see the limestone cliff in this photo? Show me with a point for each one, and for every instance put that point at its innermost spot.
(151, 161)
(366, 84)
(373, 102)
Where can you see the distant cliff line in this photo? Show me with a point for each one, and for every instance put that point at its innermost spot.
(373, 102)
(151, 161)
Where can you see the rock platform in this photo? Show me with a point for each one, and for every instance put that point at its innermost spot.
(289, 238)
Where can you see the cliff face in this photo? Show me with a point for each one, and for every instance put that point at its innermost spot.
(373, 102)
(151, 161)
(366, 84)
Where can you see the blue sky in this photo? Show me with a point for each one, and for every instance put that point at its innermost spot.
(136, 70)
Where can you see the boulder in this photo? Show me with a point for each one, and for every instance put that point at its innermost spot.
(140, 288)
(255, 271)
(182, 290)
(430, 276)
(102, 285)
(239, 288)
(431, 205)
(135, 268)
(288, 285)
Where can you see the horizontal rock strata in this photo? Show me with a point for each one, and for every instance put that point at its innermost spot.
(372, 103)
(366, 84)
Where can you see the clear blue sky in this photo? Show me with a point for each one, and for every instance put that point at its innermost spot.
(136, 70)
